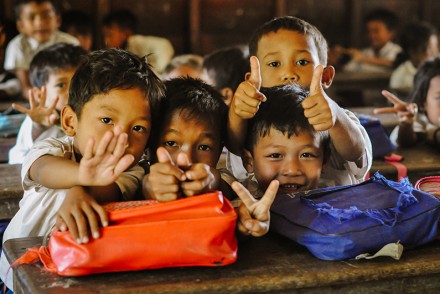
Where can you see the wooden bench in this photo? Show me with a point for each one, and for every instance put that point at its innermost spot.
(270, 264)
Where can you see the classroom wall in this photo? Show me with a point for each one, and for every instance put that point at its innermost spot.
(200, 26)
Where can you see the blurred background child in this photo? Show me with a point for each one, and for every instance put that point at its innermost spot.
(79, 24)
(185, 65)
(9, 84)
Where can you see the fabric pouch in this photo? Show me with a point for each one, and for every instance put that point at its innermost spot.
(194, 231)
(380, 141)
(343, 222)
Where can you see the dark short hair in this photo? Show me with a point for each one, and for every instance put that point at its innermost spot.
(108, 69)
(293, 24)
(422, 80)
(124, 19)
(19, 4)
(281, 111)
(197, 99)
(77, 20)
(227, 67)
(385, 16)
(56, 57)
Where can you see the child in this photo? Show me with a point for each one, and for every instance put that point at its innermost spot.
(381, 27)
(225, 69)
(50, 73)
(293, 51)
(419, 42)
(189, 141)
(119, 28)
(38, 22)
(79, 25)
(184, 65)
(9, 84)
(112, 100)
(420, 119)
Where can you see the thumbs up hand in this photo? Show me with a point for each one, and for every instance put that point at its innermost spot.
(319, 109)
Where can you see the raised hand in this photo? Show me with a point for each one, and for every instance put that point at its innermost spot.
(319, 109)
(405, 111)
(247, 97)
(163, 181)
(38, 112)
(103, 165)
(200, 177)
(254, 215)
(80, 214)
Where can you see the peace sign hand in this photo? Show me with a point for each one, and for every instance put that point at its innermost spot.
(406, 112)
(254, 215)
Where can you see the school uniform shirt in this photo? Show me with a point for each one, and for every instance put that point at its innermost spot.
(24, 141)
(388, 52)
(159, 51)
(22, 49)
(336, 171)
(38, 208)
(402, 78)
(421, 125)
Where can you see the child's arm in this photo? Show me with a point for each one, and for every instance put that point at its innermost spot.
(325, 114)
(406, 113)
(358, 56)
(80, 214)
(41, 116)
(100, 166)
(244, 105)
(254, 215)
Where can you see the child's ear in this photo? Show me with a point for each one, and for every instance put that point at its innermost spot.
(248, 161)
(69, 121)
(58, 20)
(227, 94)
(19, 24)
(247, 76)
(327, 76)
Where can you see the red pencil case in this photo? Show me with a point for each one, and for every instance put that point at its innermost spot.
(430, 185)
(194, 231)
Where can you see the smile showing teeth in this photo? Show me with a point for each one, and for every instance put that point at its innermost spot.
(290, 186)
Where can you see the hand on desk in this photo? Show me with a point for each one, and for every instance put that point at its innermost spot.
(81, 214)
(406, 112)
(254, 215)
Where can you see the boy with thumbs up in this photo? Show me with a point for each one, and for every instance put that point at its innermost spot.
(289, 50)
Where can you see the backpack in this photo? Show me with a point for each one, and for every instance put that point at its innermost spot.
(343, 222)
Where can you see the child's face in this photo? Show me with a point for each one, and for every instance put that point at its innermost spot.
(432, 49)
(432, 104)
(287, 56)
(127, 108)
(194, 136)
(114, 37)
(378, 34)
(38, 21)
(58, 86)
(296, 162)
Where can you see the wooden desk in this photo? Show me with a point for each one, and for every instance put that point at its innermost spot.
(421, 161)
(271, 264)
(5, 145)
(11, 190)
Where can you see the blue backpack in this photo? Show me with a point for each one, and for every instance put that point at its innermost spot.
(346, 221)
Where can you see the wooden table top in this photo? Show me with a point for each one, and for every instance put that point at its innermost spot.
(270, 264)
(388, 120)
(11, 190)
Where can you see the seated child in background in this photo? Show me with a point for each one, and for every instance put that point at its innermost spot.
(79, 25)
(186, 65)
(381, 26)
(108, 119)
(119, 28)
(293, 51)
(189, 142)
(38, 23)
(50, 73)
(9, 84)
(420, 119)
(225, 69)
(419, 42)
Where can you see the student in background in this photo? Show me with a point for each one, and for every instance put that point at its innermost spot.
(186, 65)
(119, 29)
(381, 26)
(420, 119)
(79, 25)
(108, 119)
(50, 73)
(419, 42)
(291, 50)
(225, 69)
(38, 22)
(9, 84)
